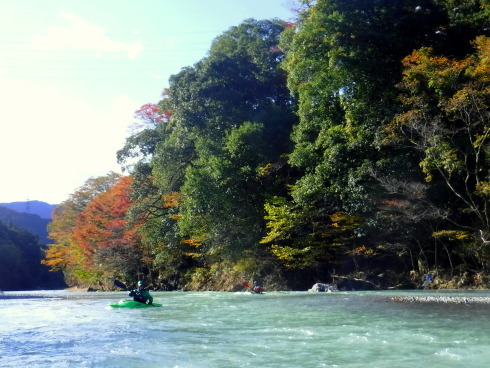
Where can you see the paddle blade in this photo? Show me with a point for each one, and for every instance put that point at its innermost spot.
(119, 284)
(245, 284)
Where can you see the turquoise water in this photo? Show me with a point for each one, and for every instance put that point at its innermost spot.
(217, 329)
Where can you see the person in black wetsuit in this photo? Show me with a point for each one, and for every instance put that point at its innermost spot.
(141, 294)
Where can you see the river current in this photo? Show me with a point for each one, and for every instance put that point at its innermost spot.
(219, 329)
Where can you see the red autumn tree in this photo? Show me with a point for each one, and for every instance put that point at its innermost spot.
(63, 254)
(109, 246)
(149, 115)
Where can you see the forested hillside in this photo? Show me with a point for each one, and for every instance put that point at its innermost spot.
(27, 221)
(350, 146)
(20, 267)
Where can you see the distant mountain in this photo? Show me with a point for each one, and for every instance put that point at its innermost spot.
(42, 209)
(28, 221)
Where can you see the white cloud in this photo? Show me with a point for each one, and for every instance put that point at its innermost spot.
(80, 35)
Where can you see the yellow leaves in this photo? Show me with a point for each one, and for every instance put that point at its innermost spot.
(193, 242)
(483, 188)
(481, 138)
(290, 256)
(442, 156)
(364, 251)
(343, 222)
(393, 132)
(264, 170)
(54, 258)
(246, 265)
(482, 69)
(193, 255)
(422, 67)
(172, 199)
(446, 113)
(452, 234)
(282, 219)
(336, 217)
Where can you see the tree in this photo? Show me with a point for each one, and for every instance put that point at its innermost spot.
(63, 254)
(231, 115)
(223, 205)
(343, 63)
(446, 120)
(108, 245)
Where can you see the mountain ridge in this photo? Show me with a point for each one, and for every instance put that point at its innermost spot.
(31, 222)
(40, 208)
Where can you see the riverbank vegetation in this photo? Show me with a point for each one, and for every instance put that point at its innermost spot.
(350, 146)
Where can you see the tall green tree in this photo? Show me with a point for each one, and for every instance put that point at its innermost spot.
(231, 115)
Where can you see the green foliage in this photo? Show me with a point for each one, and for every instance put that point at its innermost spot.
(302, 237)
(442, 156)
(281, 219)
(20, 267)
(231, 115)
(288, 148)
(221, 202)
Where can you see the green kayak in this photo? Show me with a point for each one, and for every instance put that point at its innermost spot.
(133, 304)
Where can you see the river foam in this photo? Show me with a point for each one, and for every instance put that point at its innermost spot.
(218, 330)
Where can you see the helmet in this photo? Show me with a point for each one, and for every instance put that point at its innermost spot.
(140, 283)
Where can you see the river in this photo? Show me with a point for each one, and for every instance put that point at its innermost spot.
(219, 329)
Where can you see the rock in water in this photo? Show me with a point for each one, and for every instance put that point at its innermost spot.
(321, 287)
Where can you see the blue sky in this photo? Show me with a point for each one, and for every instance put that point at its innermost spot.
(73, 72)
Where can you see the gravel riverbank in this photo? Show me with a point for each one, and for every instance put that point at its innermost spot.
(441, 299)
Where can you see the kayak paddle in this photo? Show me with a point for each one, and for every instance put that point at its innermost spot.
(119, 284)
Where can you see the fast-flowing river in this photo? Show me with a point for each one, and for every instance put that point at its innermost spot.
(219, 329)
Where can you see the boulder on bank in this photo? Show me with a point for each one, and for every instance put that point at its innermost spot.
(321, 287)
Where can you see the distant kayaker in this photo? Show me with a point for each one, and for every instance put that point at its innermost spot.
(141, 294)
(257, 288)
(428, 280)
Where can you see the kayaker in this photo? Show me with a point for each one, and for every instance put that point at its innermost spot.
(428, 280)
(141, 294)
(257, 288)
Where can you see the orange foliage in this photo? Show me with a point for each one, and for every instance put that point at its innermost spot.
(193, 242)
(103, 223)
(363, 251)
(171, 199)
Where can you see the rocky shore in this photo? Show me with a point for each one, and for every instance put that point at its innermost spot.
(441, 299)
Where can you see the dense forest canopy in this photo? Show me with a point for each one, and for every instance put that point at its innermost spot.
(20, 255)
(352, 144)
